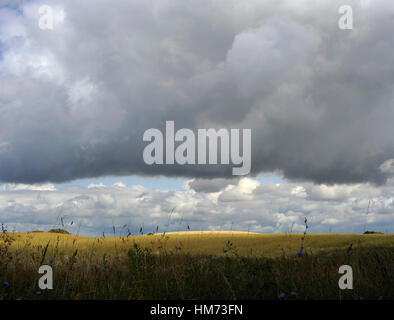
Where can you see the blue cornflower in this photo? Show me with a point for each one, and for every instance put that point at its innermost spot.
(300, 253)
(282, 295)
(38, 293)
(6, 284)
(50, 260)
(293, 293)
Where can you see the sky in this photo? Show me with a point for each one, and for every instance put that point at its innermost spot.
(76, 100)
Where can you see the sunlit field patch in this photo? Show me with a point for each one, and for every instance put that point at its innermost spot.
(203, 242)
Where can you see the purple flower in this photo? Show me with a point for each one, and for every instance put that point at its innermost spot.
(50, 260)
(300, 253)
(281, 296)
(6, 284)
(293, 293)
(38, 293)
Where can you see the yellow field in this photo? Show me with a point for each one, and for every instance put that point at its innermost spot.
(196, 265)
(242, 243)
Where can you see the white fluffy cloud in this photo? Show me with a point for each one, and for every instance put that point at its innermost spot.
(31, 187)
(246, 205)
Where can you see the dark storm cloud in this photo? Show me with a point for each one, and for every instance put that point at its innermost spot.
(75, 101)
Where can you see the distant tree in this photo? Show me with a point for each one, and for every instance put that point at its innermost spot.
(372, 232)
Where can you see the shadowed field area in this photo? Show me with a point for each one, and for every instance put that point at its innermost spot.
(197, 265)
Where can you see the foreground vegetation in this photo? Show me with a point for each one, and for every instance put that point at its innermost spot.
(196, 266)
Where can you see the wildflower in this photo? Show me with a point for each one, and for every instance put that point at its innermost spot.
(300, 253)
(38, 293)
(293, 293)
(6, 284)
(50, 260)
(281, 296)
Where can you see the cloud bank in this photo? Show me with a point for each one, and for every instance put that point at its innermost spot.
(242, 205)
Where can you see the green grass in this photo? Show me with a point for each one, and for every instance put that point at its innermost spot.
(197, 266)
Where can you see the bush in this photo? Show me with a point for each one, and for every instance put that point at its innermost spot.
(372, 232)
(59, 231)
